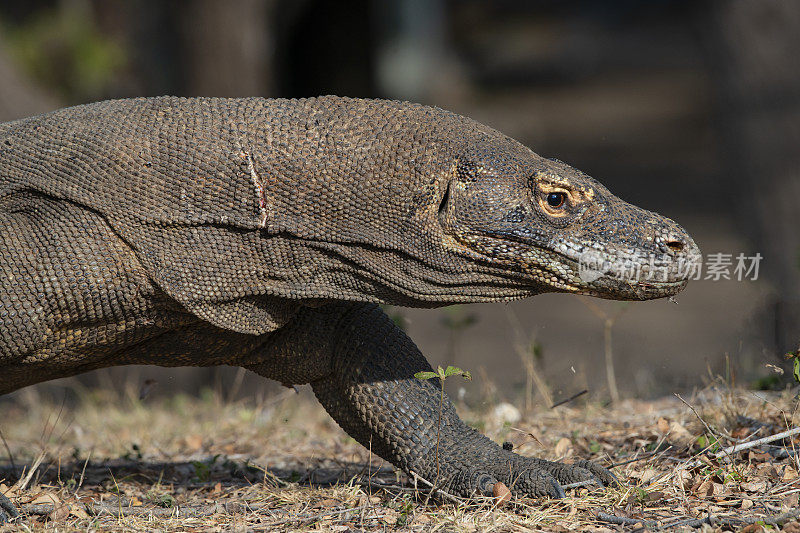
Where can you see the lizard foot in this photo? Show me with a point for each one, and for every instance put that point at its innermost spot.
(7, 510)
(527, 476)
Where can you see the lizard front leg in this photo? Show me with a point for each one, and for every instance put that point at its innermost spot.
(372, 394)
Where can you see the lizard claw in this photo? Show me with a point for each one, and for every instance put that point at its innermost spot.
(558, 490)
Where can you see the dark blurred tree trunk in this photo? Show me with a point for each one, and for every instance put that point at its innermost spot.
(20, 97)
(228, 47)
(757, 51)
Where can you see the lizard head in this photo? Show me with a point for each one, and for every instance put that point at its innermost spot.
(560, 229)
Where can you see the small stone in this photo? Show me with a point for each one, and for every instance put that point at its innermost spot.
(501, 492)
(506, 413)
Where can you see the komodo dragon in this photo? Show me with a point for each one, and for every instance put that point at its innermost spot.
(264, 234)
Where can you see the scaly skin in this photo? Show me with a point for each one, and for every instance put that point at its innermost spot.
(263, 233)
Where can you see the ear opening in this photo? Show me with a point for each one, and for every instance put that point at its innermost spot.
(444, 200)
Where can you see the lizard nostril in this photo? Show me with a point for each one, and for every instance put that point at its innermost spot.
(675, 246)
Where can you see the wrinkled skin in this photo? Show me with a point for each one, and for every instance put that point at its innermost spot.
(263, 233)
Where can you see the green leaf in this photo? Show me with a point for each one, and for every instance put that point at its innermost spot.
(450, 370)
(426, 375)
(796, 371)
(455, 371)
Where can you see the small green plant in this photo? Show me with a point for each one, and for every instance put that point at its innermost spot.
(442, 374)
(406, 510)
(202, 469)
(708, 442)
(161, 499)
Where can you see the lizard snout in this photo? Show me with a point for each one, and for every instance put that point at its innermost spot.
(678, 244)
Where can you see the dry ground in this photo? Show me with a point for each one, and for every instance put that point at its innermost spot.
(114, 462)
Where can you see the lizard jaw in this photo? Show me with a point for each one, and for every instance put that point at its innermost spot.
(561, 269)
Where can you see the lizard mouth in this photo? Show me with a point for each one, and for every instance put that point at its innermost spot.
(565, 273)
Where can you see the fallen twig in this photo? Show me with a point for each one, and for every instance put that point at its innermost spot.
(753, 443)
(745, 446)
(776, 520)
(700, 418)
(315, 517)
(436, 490)
(114, 509)
(567, 400)
(578, 484)
(640, 458)
(23, 483)
(625, 521)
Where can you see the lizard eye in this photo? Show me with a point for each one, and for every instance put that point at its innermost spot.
(556, 200)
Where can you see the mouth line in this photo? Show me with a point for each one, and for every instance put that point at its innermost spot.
(573, 264)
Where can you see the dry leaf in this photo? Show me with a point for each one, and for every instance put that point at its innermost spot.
(60, 512)
(740, 432)
(746, 504)
(217, 489)
(389, 517)
(680, 435)
(78, 512)
(717, 490)
(706, 488)
(752, 528)
(47, 498)
(422, 518)
(758, 457)
(791, 527)
(564, 447)
(789, 474)
(768, 471)
(8, 491)
(754, 486)
(791, 501)
(685, 479)
(648, 475)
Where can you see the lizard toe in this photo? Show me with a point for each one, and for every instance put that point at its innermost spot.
(535, 482)
(603, 475)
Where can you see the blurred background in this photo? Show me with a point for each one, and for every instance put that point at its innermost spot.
(688, 108)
